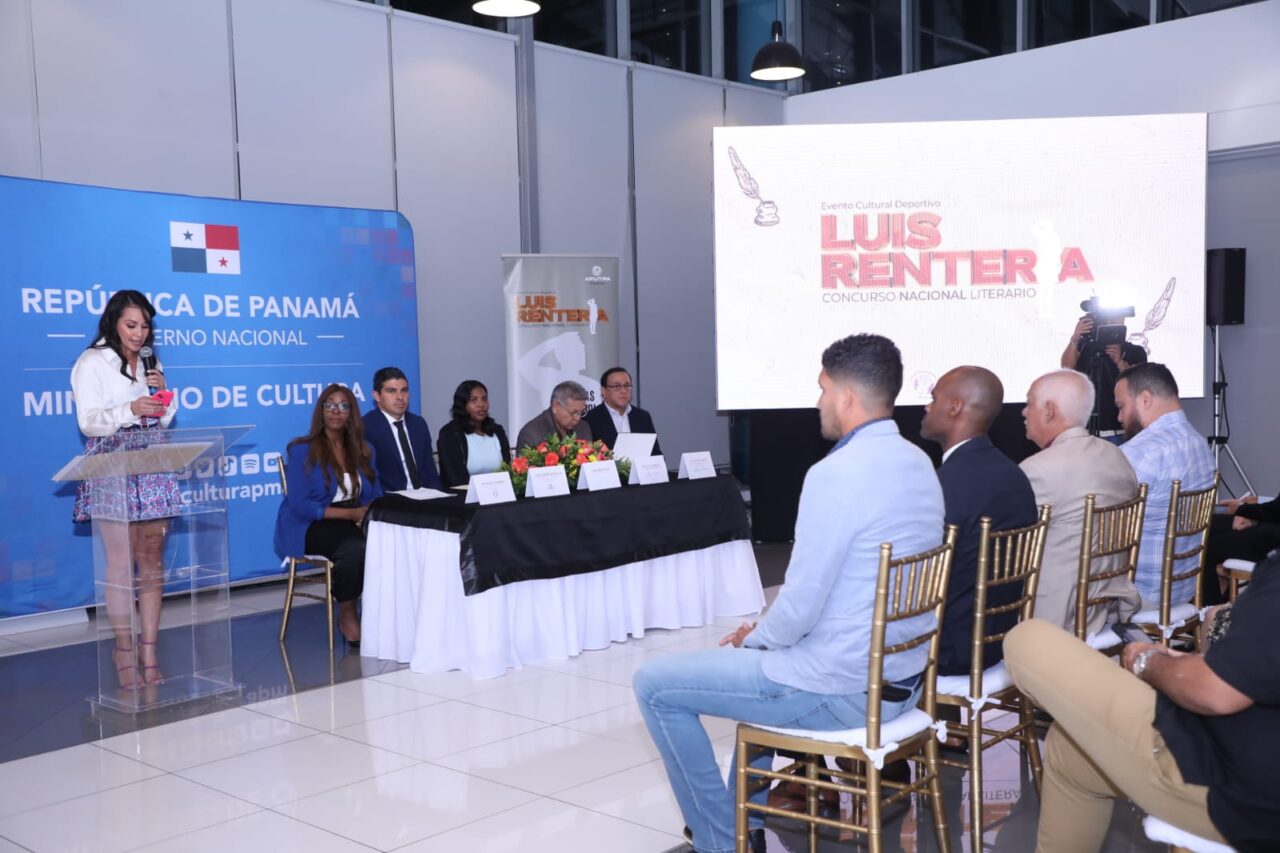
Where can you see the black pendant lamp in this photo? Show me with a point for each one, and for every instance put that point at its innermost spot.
(777, 60)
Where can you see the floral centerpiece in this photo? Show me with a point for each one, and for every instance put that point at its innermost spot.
(570, 452)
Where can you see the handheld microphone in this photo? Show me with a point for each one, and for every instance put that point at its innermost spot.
(148, 358)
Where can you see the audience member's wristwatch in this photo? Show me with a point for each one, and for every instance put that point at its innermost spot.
(1140, 662)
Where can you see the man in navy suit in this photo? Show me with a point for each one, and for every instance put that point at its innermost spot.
(977, 480)
(401, 439)
(616, 414)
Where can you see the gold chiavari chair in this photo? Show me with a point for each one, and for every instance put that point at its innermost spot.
(906, 588)
(1108, 549)
(324, 576)
(1006, 558)
(1190, 514)
(1239, 573)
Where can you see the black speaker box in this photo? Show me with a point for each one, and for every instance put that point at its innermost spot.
(1224, 287)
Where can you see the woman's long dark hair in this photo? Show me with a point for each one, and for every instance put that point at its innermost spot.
(319, 452)
(109, 335)
(461, 397)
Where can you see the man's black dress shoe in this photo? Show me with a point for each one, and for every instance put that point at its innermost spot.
(755, 839)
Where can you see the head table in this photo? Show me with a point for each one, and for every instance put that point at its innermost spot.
(450, 585)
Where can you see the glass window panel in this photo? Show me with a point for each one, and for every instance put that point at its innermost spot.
(1171, 10)
(747, 28)
(953, 31)
(668, 33)
(458, 11)
(850, 41)
(1057, 21)
(588, 25)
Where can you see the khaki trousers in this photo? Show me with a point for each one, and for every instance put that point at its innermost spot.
(1102, 745)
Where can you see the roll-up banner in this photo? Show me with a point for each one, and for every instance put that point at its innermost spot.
(258, 307)
(562, 313)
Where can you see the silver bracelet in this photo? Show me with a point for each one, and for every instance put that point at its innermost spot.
(1140, 662)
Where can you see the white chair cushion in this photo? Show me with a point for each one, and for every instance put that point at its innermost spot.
(1177, 613)
(1166, 833)
(1238, 565)
(898, 729)
(1103, 640)
(994, 680)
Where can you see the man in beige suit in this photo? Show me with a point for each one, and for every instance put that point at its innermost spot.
(1070, 465)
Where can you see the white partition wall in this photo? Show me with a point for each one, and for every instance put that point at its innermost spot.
(748, 105)
(584, 202)
(1244, 211)
(313, 114)
(343, 103)
(1222, 63)
(674, 114)
(19, 137)
(135, 95)
(459, 185)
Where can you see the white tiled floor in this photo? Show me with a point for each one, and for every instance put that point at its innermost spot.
(552, 758)
(549, 758)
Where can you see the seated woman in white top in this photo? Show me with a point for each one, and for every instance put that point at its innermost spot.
(471, 443)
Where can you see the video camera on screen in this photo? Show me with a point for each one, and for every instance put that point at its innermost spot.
(1108, 324)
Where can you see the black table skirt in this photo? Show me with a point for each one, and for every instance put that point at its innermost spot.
(581, 532)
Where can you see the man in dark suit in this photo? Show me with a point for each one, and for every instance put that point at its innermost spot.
(402, 439)
(616, 414)
(977, 480)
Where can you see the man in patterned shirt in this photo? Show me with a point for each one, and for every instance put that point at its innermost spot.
(1162, 447)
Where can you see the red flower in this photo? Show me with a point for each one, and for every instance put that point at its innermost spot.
(520, 465)
(542, 447)
(583, 442)
(565, 450)
(582, 459)
(552, 459)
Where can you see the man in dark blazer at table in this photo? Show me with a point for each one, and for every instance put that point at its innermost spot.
(977, 480)
(615, 414)
(401, 438)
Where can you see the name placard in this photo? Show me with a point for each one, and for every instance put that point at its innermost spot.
(595, 476)
(547, 482)
(634, 445)
(696, 466)
(492, 488)
(649, 470)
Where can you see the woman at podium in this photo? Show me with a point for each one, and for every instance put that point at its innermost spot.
(120, 398)
(472, 442)
(331, 482)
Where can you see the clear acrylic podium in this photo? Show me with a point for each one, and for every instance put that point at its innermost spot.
(194, 660)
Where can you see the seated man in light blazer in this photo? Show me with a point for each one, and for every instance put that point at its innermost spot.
(615, 414)
(1070, 465)
(401, 438)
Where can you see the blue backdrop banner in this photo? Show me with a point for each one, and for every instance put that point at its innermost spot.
(258, 308)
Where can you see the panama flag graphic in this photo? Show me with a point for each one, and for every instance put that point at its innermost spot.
(197, 247)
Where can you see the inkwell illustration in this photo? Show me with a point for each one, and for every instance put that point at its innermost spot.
(766, 211)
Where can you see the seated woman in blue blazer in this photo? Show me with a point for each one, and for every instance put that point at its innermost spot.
(331, 479)
(472, 442)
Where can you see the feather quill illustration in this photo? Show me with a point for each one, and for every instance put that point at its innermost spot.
(1155, 316)
(749, 186)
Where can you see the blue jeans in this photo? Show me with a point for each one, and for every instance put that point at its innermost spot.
(675, 689)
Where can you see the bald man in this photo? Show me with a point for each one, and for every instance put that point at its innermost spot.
(977, 480)
(1070, 465)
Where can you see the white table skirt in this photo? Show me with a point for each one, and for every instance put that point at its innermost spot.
(414, 611)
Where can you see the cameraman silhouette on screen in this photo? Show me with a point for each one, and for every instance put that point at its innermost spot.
(1099, 350)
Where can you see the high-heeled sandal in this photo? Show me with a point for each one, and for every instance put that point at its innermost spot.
(121, 670)
(146, 679)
